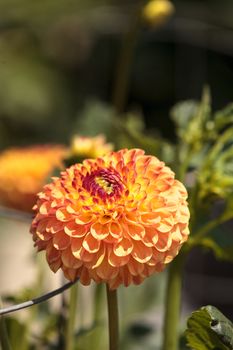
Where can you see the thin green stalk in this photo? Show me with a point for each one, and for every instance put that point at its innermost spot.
(204, 230)
(98, 307)
(99, 300)
(173, 303)
(70, 330)
(4, 339)
(124, 64)
(113, 325)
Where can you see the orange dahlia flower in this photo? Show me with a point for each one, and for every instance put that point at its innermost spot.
(90, 147)
(24, 171)
(116, 219)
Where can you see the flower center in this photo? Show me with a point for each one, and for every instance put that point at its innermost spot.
(107, 186)
(104, 183)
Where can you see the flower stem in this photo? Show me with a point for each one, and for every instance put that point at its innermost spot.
(71, 318)
(124, 64)
(173, 303)
(113, 319)
(4, 339)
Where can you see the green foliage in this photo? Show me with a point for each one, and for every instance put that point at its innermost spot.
(220, 252)
(132, 133)
(18, 334)
(126, 131)
(192, 122)
(96, 118)
(209, 329)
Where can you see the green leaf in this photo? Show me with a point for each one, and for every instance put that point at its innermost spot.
(224, 117)
(209, 329)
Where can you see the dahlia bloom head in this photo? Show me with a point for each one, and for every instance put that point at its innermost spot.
(24, 171)
(115, 219)
(89, 147)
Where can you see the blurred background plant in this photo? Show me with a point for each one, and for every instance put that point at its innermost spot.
(59, 71)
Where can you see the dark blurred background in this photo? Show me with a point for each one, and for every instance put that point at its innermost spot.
(56, 56)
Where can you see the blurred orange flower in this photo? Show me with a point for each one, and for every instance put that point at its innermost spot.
(116, 219)
(90, 147)
(24, 171)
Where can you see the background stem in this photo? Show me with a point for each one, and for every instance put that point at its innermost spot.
(4, 339)
(173, 303)
(125, 60)
(71, 318)
(113, 319)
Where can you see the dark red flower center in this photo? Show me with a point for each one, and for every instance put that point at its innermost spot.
(103, 183)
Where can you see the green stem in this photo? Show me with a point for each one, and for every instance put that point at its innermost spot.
(183, 166)
(113, 319)
(204, 230)
(124, 64)
(71, 318)
(97, 317)
(173, 303)
(4, 339)
(98, 307)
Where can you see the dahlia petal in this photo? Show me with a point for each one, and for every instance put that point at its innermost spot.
(61, 240)
(52, 254)
(169, 258)
(85, 277)
(43, 235)
(69, 260)
(83, 219)
(100, 257)
(106, 271)
(126, 277)
(54, 226)
(41, 245)
(115, 229)
(74, 230)
(160, 267)
(135, 268)
(157, 257)
(87, 257)
(70, 274)
(140, 252)
(176, 235)
(137, 279)
(55, 265)
(164, 242)
(150, 218)
(99, 231)
(116, 260)
(91, 244)
(131, 217)
(165, 225)
(123, 248)
(44, 208)
(62, 215)
(76, 247)
(57, 193)
(42, 225)
(136, 231)
(105, 219)
(151, 236)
